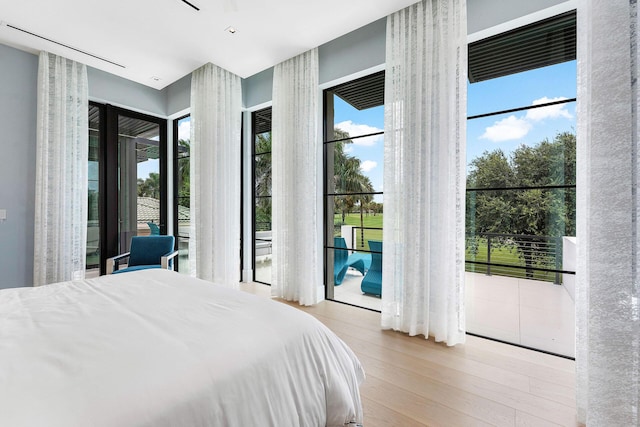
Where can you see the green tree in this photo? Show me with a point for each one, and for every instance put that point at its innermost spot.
(149, 187)
(533, 212)
(263, 181)
(184, 172)
(348, 178)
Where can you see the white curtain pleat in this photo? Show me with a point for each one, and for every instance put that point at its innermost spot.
(60, 225)
(216, 117)
(424, 171)
(295, 270)
(607, 276)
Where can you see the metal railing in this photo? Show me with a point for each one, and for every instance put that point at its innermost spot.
(361, 235)
(516, 255)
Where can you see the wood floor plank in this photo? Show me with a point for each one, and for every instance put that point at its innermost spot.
(439, 355)
(377, 415)
(524, 419)
(456, 398)
(415, 407)
(412, 381)
(553, 410)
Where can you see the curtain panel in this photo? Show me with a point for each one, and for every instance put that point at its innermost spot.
(608, 228)
(216, 118)
(295, 269)
(62, 146)
(424, 171)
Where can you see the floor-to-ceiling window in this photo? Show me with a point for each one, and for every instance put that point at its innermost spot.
(182, 190)
(96, 124)
(521, 195)
(353, 200)
(262, 255)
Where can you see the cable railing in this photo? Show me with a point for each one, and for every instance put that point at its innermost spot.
(516, 255)
(511, 255)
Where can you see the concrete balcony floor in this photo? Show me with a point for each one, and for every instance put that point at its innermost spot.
(531, 313)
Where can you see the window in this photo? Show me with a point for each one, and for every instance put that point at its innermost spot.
(261, 125)
(182, 206)
(96, 122)
(521, 199)
(353, 154)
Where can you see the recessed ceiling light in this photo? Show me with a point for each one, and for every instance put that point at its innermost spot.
(230, 30)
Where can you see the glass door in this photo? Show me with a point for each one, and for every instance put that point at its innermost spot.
(135, 178)
(138, 179)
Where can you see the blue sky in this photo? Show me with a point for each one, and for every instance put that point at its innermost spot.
(506, 132)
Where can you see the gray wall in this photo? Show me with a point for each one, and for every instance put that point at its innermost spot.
(178, 95)
(356, 51)
(483, 14)
(18, 76)
(258, 88)
(108, 88)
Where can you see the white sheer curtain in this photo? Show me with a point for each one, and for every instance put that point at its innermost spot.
(608, 226)
(294, 154)
(216, 116)
(424, 171)
(61, 171)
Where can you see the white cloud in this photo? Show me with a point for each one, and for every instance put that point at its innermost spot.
(507, 129)
(550, 112)
(184, 130)
(367, 165)
(355, 129)
(513, 128)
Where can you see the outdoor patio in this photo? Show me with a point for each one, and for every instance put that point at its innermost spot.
(531, 313)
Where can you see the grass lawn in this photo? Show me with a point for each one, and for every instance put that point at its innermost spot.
(369, 220)
(504, 255)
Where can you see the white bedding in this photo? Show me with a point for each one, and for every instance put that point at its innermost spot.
(156, 348)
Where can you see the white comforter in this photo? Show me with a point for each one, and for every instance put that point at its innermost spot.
(156, 348)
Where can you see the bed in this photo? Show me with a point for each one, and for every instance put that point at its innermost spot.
(156, 348)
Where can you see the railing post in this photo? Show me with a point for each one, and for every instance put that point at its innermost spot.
(353, 238)
(488, 254)
(558, 266)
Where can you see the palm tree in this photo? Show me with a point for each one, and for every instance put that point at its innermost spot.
(349, 179)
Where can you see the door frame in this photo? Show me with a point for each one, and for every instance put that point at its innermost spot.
(109, 179)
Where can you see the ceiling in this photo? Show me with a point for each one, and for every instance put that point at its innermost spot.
(156, 42)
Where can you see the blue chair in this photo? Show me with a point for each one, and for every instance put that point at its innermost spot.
(155, 229)
(146, 252)
(372, 281)
(342, 260)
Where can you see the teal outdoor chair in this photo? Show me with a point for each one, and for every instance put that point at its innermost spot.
(155, 228)
(372, 281)
(342, 260)
(146, 252)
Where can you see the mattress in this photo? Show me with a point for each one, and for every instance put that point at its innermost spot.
(156, 348)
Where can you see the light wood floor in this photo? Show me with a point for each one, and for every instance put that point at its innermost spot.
(415, 382)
